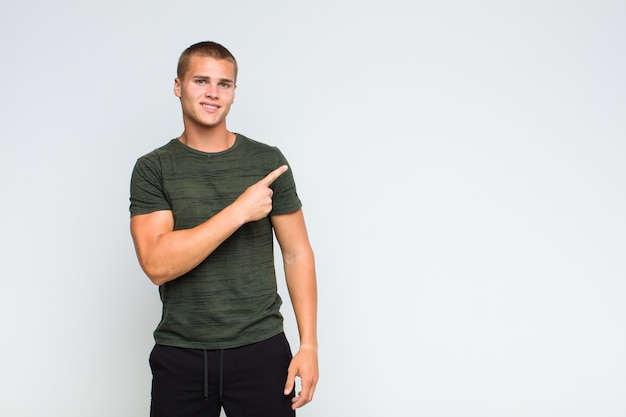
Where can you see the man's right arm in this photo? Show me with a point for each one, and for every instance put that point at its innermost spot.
(165, 254)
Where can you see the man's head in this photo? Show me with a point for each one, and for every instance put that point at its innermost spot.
(204, 49)
(206, 85)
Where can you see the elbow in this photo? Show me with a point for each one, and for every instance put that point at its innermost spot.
(299, 266)
(156, 274)
(157, 280)
(302, 256)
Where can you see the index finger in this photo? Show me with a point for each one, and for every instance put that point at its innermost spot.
(271, 177)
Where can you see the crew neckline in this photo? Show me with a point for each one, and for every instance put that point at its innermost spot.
(198, 152)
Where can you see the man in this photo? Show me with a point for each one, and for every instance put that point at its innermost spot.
(204, 210)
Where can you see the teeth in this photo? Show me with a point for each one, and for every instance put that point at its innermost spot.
(208, 106)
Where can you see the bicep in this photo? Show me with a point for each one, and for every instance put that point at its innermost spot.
(147, 228)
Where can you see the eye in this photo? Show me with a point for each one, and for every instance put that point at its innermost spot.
(201, 82)
(224, 85)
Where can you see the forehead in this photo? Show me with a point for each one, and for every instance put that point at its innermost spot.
(210, 67)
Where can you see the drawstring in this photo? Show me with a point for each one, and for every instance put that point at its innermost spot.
(206, 374)
(221, 371)
(206, 377)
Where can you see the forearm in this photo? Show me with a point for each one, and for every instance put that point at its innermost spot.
(301, 282)
(171, 254)
(302, 286)
(299, 265)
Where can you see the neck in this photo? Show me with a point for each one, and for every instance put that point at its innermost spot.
(208, 140)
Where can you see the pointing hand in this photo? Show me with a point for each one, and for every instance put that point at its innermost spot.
(256, 201)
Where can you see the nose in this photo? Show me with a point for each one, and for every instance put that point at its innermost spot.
(211, 91)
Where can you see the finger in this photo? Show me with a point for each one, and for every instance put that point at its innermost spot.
(307, 392)
(299, 401)
(291, 382)
(296, 402)
(271, 177)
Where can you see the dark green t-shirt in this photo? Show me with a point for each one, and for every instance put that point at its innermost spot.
(230, 299)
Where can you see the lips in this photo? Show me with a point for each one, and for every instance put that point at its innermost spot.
(210, 107)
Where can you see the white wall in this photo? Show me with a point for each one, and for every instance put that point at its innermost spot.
(462, 166)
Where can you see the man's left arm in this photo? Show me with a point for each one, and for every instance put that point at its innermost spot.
(299, 267)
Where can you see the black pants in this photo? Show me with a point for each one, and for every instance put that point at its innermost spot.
(246, 381)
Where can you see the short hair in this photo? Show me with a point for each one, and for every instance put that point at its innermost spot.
(204, 49)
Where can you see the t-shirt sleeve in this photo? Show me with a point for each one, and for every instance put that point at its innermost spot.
(285, 199)
(146, 187)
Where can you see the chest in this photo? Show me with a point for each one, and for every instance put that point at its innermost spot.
(198, 189)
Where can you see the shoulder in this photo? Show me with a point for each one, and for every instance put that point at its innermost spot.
(155, 159)
(252, 143)
(167, 149)
(259, 148)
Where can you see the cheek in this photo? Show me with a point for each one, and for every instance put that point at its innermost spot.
(190, 94)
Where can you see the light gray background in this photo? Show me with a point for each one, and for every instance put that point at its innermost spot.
(462, 167)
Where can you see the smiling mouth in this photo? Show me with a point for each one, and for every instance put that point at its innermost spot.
(210, 107)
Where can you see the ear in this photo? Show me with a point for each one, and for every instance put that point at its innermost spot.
(177, 87)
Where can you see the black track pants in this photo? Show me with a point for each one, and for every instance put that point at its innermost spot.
(247, 381)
